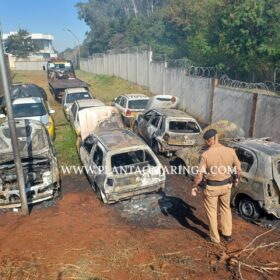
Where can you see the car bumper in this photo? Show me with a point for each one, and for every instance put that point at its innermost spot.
(166, 148)
(35, 194)
(114, 197)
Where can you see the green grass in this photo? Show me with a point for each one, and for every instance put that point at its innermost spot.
(106, 87)
(103, 87)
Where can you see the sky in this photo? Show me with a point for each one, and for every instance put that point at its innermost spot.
(44, 16)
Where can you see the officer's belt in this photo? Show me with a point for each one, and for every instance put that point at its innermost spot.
(218, 183)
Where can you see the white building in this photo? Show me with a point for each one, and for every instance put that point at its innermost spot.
(43, 42)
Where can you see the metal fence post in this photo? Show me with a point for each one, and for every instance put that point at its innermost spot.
(12, 127)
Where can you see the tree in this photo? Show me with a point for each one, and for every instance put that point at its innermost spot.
(20, 44)
(240, 36)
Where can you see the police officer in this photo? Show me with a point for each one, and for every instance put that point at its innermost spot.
(217, 166)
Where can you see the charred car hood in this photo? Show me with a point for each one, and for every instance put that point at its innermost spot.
(32, 140)
(103, 117)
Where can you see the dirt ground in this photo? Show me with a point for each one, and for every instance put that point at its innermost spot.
(158, 236)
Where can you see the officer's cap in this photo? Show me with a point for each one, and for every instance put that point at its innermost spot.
(210, 133)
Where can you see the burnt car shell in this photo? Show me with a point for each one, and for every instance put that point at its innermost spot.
(41, 174)
(259, 185)
(167, 130)
(260, 179)
(119, 148)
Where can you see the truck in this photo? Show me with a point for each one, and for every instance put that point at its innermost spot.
(61, 75)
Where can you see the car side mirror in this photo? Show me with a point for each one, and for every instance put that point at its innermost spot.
(51, 111)
(44, 68)
(2, 116)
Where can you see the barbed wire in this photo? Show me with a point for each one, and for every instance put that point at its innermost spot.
(207, 72)
(129, 50)
(267, 86)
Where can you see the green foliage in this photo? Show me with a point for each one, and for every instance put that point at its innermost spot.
(240, 36)
(20, 44)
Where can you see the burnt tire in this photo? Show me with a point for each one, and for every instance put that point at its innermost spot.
(248, 208)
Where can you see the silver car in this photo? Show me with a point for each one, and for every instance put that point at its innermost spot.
(71, 95)
(167, 130)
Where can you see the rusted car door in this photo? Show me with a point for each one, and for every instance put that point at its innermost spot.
(152, 129)
(85, 150)
(119, 103)
(96, 166)
(249, 167)
(143, 121)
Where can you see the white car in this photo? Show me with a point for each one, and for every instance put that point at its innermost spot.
(71, 95)
(130, 106)
(163, 102)
(34, 108)
(77, 107)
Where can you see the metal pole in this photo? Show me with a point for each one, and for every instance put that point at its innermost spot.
(79, 50)
(12, 127)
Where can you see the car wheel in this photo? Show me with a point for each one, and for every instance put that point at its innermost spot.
(155, 147)
(248, 208)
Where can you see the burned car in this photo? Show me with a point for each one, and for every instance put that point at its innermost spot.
(259, 185)
(96, 118)
(40, 168)
(120, 165)
(167, 130)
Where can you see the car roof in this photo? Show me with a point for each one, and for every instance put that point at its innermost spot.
(174, 113)
(89, 102)
(261, 145)
(118, 139)
(27, 100)
(74, 90)
(135, 96)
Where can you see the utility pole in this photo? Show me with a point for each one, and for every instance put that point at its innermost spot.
(78, 41)
(12, 127)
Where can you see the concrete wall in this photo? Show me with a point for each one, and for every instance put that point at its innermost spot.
(233, 105)
(257, 114)
(30, 65)
(267, 122)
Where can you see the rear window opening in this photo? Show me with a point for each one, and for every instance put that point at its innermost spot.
(138, 104)
(183, 127)
(131, 161)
